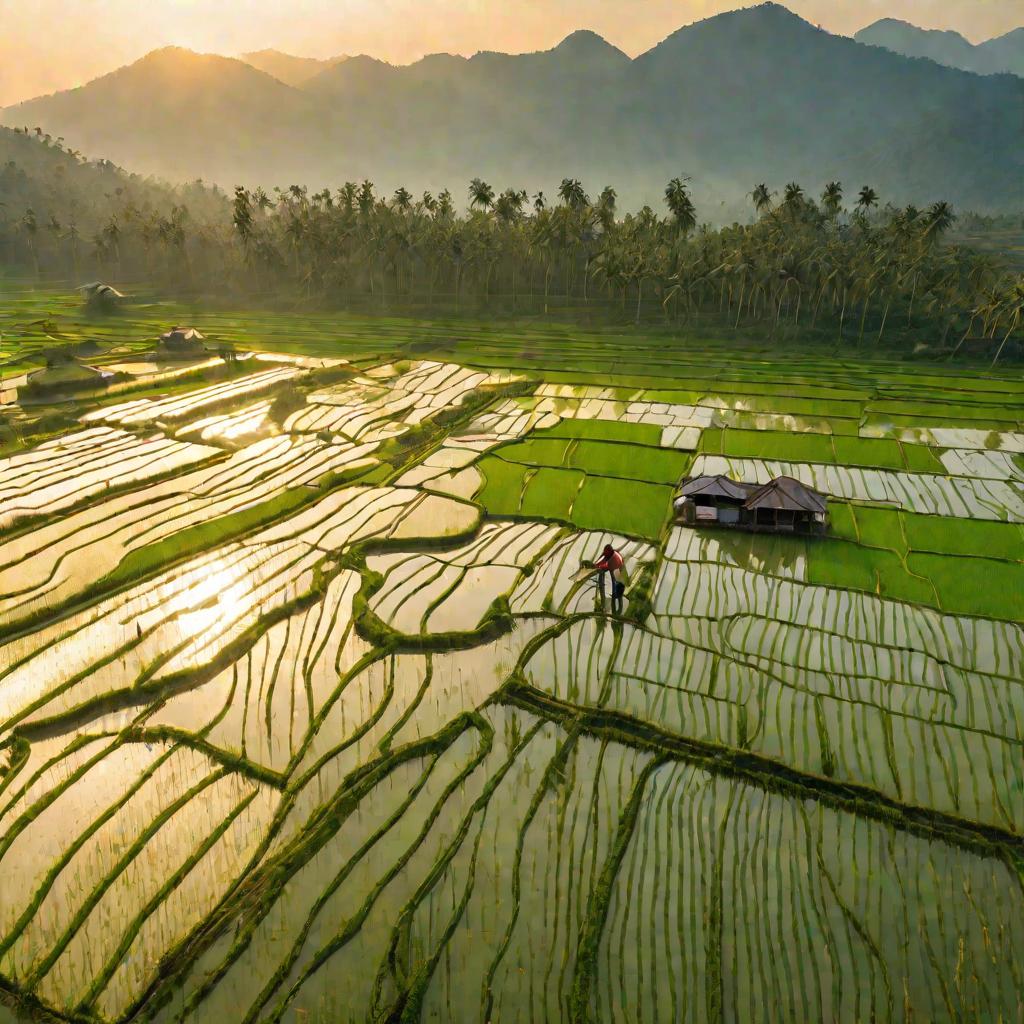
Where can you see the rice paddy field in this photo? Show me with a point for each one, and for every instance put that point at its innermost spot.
(305, 716)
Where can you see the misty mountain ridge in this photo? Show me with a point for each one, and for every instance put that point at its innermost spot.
(287, 68)
(752, 95)
(1002, 55)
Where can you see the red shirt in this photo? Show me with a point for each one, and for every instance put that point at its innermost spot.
(613, 562)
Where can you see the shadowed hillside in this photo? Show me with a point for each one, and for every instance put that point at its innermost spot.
(1004, 54)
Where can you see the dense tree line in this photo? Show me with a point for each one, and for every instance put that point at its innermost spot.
(842, 266)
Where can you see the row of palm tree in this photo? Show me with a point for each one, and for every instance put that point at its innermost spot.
(854, 273)
(799, 261)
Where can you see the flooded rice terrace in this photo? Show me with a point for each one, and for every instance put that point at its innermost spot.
(307, 715)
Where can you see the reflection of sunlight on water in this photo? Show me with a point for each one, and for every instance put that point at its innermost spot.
(211, 599)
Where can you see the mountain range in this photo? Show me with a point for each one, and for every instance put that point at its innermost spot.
(752, 95)
(287, 68)
(1004, 54)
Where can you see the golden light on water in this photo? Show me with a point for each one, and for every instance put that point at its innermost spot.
(215, 597)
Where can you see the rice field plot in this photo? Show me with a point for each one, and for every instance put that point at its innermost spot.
(611, 476)
(388, 400)
(113, 541)
(320, 723)
(927, 493)
(193, 402)
(83, 465)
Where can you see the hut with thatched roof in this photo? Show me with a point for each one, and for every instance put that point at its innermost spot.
(182, 343)
(100, 296)
(782, 505)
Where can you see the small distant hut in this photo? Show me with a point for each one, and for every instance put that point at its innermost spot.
(100, 296)
(182, 343)
(782, 505)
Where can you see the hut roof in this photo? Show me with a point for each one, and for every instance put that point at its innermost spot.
(716, 486)
(180, 334)
(101, 289)
(785, 493)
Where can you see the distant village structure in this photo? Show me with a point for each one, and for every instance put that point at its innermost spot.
(782, 505)
(182, 343)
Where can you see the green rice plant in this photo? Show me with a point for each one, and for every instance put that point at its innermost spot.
(879, 527)
(869, 451)
(974, 586)
(551, 493)
(605, 430)
(629, 461)
(883, 572)
(766, 444)
(503, 487)
(842, 524)
(536, 451)
(921, 458)
(982, 538)
(622, 506)
(833, 449)
(843, 565)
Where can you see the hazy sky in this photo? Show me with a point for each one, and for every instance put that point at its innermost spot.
(55, 44)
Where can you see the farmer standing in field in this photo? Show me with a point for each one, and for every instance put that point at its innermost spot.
(612, 562)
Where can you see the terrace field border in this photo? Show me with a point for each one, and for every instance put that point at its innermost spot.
(119, 579)
(65, 858)
(275, 981)
(409, 999)
(145, 691)
(102, 979)
(711, 531)
(770, 775)
(601, 894)
(40, 969)
(222, 404)
(604, 723)
(31, 523)
(254, 894)
(554, 771)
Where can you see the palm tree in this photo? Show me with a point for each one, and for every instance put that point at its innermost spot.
(571, 193)
(481, 195)
(402, 199)
(445, 205)
(508, 207)
(606, 202)
(1010, 309)
(789, 277)
(866, 199)
(793, 195)
(938, 219)
(365, 198)
(677, 198)
(347, 196)
(832, 198)
(241, 215)
(111, 235)
(762, 199)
